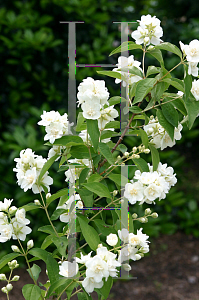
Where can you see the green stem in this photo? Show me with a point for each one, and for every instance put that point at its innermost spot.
(144, 52)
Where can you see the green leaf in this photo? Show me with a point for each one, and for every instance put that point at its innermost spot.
(104, 228)
(83, 175)
(143, 87)
(170, 113)
(115, 100)
(61, 244)
(144, 137)
(122, 148)
(36, 270)
(80, 121)
(90, 234)
(135, 109)
(157, 54)
(169, 47)
(94, 178)
(58, 283)
(98, 188)
(83, 296)
(46, 242)
(141, 164)
(125, 47)
(178, 104)
(165, 124)
(52, 268)
(57, 213)
(46, 166)
(68, 140)
(31, 292)
(113, 124)
(132, 70)
(187, 83)
(86, 196)
(178, 84)
(155, 157)
(192, 107)
(30, 206)
(112, 74)
(93, 131)
(7, 258)
(57, 195)
(106, 152)
(81, 152)
(116, 178)
(105, 289)
(152, 70)
(39, 253)
(47, 229)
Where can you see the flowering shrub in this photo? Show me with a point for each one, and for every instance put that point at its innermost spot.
(89, 251)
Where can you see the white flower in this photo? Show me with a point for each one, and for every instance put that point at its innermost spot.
(20, 230)
(134, 192)
(127, 63)
(106, 115)
(97, 268)
(6, 232)
(112, 239)
(20, 217)
(29, 179)
(89, 284)
(68, 269)
(46, 181)
(192, 51)
(126, 267)
(124, 235)
(149, 31)
(55, 150)
(49, 117)
(193, 69)
(5, 205)
(54, 131)
(195, 89)
(152, 192)
(91, 110)
(84, 258)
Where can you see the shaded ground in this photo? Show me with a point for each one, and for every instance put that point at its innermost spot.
(171, 272)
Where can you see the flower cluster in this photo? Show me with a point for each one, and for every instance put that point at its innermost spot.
(28, 169)
(66, 217)
(127, 63)
(148, 31)
(12, 227)
(150, 185)
(192, 55)
(55, 125)
(93, 96)
(160, 137)
(100, 266)
(134, 245)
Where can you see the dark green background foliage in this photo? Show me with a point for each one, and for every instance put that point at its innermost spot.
(34, 77)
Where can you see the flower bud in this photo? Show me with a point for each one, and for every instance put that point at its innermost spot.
(13, 264)
(134, 216)
(15, 278)
(134, 149)
(147, 211)
(112, 239)
(147, 151)
(136, 156)
(146, 40)
(151, 117)
(115, 192)
(119, 157)
(150, 47)
(126, 154)
(121, 201)
(15, 248)
(48, 195)
(138, 256)
(142, 220)
(12, 209)
(154, 215)
(126, 267)
(3, 277)
(4, 290)
(30, 244)
(100, 246)
(37, 202)
(140, 148)
(9, 287)
(2, 215)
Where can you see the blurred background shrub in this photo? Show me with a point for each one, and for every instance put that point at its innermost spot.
(34, 77)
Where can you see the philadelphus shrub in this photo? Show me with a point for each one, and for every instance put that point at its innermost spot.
(85, 248)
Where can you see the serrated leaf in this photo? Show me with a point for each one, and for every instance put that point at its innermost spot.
(47, 166)
(47, 229)
(132, 70)
(30, 206)
(112, 74)
(157, 54)
(83, 175)
(94, 178)
(86, 196)
(170, 113)
(192, 107)
(46, 242)
(113, 124)
(165, 124)
(117, 178)
(152, 70)
(178, 104)
(122, 148)
(80, 121)
(143, 87)
(57, 195)
(144, 137)
(155, 156)
(58, 283)
(106, 152)
(52, 268)
(125, 47)
(68, 140)
(169, 47)
(98, 188)
(141, 164)
(115, 100)
(135, 109)
(93, 131)
(57, 213)
(31, 292)
(40, 253)
(61, 244)
(90, 234)
(35, 271)
(187, 84)
(81, 152)
(104, 228)
(105, 289)
(178, 84)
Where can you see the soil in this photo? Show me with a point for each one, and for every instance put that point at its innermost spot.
(171, 272)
